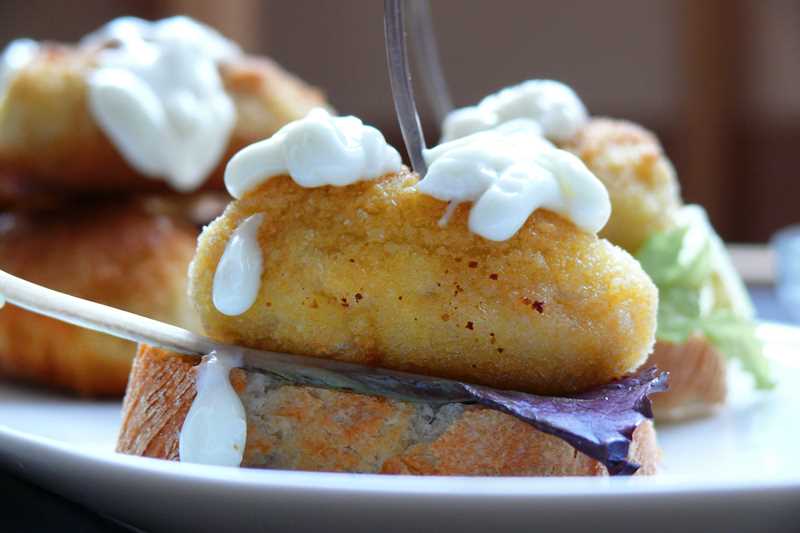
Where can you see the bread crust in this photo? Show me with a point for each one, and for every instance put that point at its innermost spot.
(118, 254)
(697, 379)
(49, 137)
(303, 428)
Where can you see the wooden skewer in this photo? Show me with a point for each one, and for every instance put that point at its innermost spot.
(298, 369)
(101, 317)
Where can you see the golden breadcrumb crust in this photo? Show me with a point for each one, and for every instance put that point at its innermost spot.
(118, 255)
(304, 428)
(640, 179)
(697, 379)
(364, 273)
(49, 137)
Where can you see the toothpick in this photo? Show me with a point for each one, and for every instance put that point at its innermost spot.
(100, 317)
(295, 369)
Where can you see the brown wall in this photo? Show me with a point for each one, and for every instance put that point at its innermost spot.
(716, 79)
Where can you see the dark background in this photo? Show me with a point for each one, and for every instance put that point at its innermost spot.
(716, 79)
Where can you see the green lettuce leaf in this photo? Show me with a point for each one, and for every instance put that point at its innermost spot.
(684, 277)
(736, 338)
(678, 313)
(663, 256)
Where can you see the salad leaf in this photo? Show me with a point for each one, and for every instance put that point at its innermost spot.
(736, 337)
(599, 423)
(678, 313)
(684, 273)
(665, 259)
(679, 317)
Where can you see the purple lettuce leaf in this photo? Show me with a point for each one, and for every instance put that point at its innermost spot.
(599, 423)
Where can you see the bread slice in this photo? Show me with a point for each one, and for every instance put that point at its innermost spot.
(305, 428)
(697, 379)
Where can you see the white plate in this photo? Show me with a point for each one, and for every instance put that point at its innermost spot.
(738, 471)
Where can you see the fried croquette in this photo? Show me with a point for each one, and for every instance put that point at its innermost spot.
(120, 255)
(303, 428)
(48, 135)
(641, 181)
(364, 273)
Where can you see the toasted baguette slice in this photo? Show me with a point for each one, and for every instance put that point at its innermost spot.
(49, 138)
(304, 428)
(119, 254)
(697, 379)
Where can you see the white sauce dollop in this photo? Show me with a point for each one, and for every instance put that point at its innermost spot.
(215, 429)
(317, 150)
(238, 276)
(15, 56)
(158, 95)
(510, 171)
(126, 29)
(553, 106)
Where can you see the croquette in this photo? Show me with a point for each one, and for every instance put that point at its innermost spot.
(364, 273)
(49, 137)
(121, 254)
(641, 181)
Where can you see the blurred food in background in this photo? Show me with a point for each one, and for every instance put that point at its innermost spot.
(716, 80)
(89, 131)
